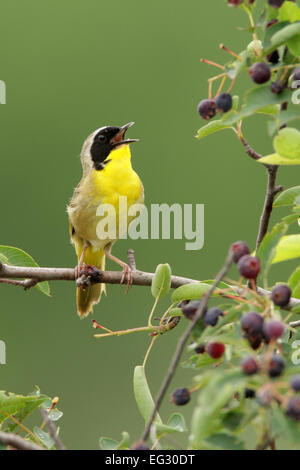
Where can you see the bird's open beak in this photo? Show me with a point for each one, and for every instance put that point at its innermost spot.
(118, 139)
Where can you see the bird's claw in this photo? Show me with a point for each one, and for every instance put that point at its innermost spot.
(87, 274)
(127, 273)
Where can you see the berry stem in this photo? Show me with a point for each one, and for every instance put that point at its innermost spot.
(148, 350)
(221, 86)
(252, 24)
(224, 48)
(210, 62)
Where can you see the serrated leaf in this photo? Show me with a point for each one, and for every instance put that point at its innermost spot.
(192, 291)
(267, 249)
(161, 282)
(287, 248)
(287, 197)
(44, 437)
(17, 257)
(143, 395)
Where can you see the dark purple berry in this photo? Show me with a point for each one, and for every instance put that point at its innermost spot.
(249, 365)
(277, 87)
(295, 383)
(207, 109)
(200, 349)
(141, 445)
(215, 350)
(293, 408)
(224, 102)
(181, 396)
(249, 266)
(273, 330)
(254, 341)
(249, 393)
(273, 58)
(281, 295)
(189, 310)
(212, 315)
(276, 3)
(252, 323)
(260, 73)
(276, 366)
(296, 74)
(240, 249)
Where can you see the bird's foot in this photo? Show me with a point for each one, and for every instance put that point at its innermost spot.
(86, 275)
(127, 274)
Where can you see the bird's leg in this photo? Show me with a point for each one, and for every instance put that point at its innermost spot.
(79, 265)
(127, 271)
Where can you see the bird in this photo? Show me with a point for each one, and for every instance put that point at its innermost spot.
(107, 175)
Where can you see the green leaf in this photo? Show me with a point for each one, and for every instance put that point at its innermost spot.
(143, 395)
(287, 248)
(44, 437)
(296, 291)
(176, 422)
(294, 278)
(287, 143)
(18, 257)
(212, 127)
(161, 282)
(192, 291)
(284, 35)
(275, 159)
(285, 426)
(289, 197)
(18, 405)
(267, 249)
(289, 12)
(108, 444)
(283, 118)
(224, 441)
(294, 45)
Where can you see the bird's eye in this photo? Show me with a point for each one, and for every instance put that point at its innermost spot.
(101, 138)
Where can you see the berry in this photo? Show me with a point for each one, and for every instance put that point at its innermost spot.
(215, 350)
(276, 366)
(240, 249)
(181, 396)
(189, 310)
(207, 109)
(264, 397)
(277, 87)
(274, 21)
(281, 295)
(249, 266)
(212, 315)
(260, 73)
(249, 366)
(235, 3)
(276, 3)
(224, 102)
(273, 57)
(200, 349)
(295, 383)
(252, 323)
(141, 445)
(249, 393)
(293, 408)
(273, 330)
(296, 74)
(255, 341)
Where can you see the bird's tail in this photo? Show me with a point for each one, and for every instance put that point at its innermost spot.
(91, 295)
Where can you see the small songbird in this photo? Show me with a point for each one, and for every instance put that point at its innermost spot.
(107, 175)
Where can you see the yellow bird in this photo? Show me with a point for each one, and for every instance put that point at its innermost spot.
(107, 175)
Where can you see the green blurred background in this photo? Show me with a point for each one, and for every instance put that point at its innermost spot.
(71, 67)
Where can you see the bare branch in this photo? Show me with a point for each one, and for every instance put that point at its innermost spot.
(52, 430)
(182, 341)
(10, 439)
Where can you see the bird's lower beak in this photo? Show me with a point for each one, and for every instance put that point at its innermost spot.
(118, 139)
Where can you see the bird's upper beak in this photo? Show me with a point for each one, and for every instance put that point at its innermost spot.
(118, 138)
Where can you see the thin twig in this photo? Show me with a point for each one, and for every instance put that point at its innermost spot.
(52, 430)
(17, 442)
(181, 344)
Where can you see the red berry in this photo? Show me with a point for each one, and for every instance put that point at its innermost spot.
(249, 366)
(276, 366)
(273, 330)
(295, 383)
(249, 266)
(260, 73)
(252, 323)
(207, 109)
(293, 408)
(181, 396)
(281, 295)
(240, 249)
(212, 315)
(215, 350)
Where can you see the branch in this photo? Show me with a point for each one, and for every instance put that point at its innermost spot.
(182, 342)
(139, 278)
(52, 430)
(10, 439)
